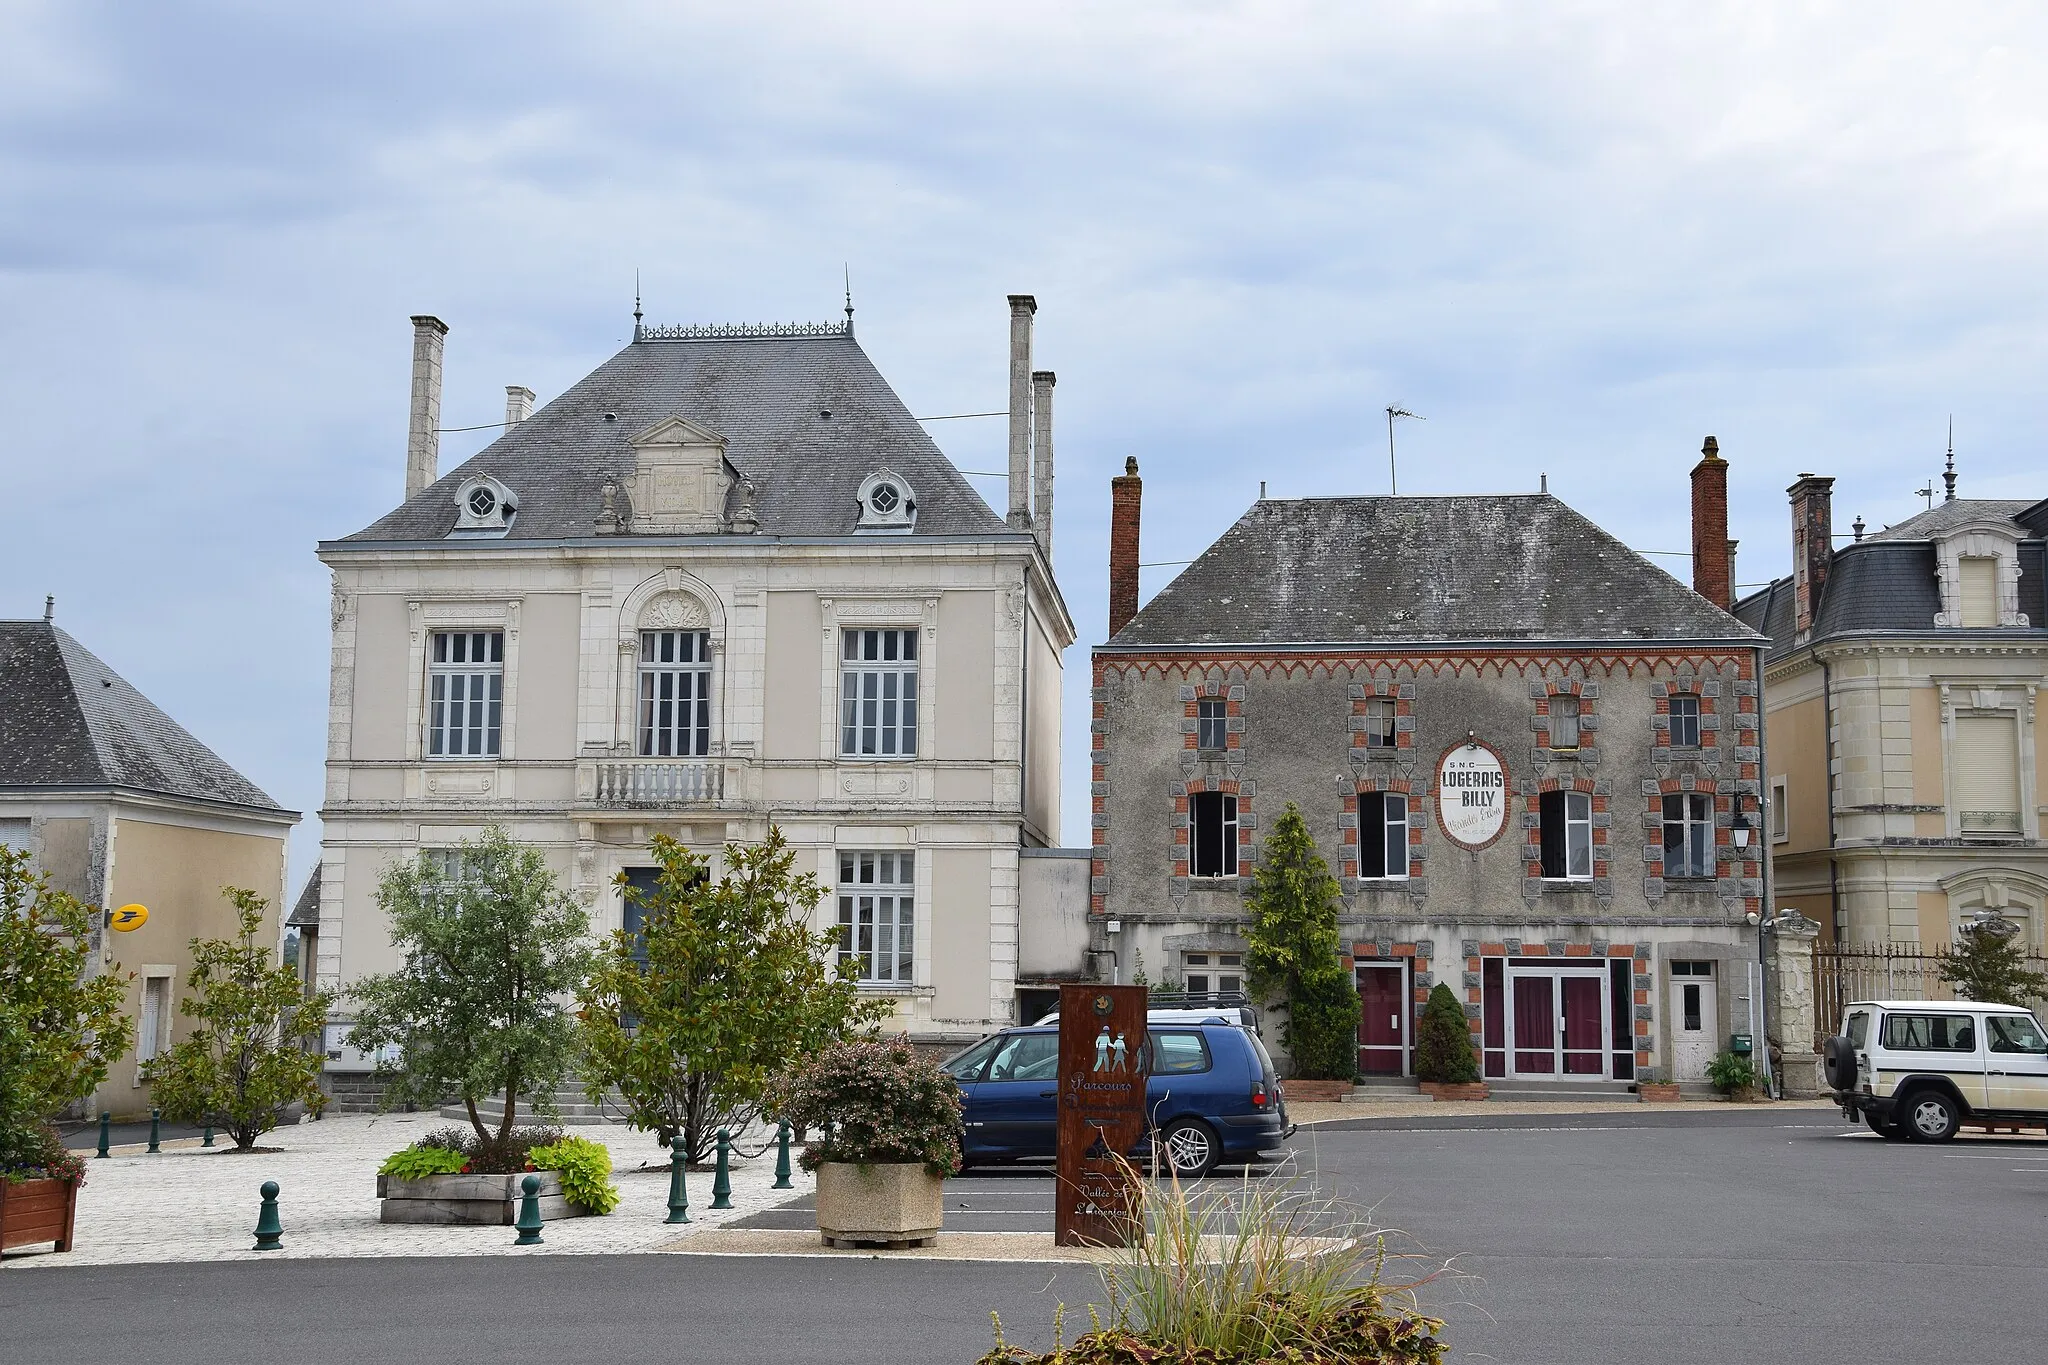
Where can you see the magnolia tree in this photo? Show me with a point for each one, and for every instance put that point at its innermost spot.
(725, 985)
(245, 1063)
(61, 1024)
(492, 949)
(1292, 949)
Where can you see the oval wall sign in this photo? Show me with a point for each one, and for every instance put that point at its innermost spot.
(1471, 795)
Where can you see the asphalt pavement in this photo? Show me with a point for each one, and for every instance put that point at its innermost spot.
(1677, 1239)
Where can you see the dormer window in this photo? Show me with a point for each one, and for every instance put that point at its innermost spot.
(483, 507)
(1978, 565)
(886, 503)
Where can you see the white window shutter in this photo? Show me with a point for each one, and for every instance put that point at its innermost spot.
(1980, 592)
(1986, 768)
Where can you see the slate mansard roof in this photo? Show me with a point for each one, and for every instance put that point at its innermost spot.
(1886, 583)
(764, 390)
(1448, 571)
(67, 721)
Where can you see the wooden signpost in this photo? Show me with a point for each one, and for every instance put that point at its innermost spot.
(1103, 1069)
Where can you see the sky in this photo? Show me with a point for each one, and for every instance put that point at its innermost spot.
(1574, 238)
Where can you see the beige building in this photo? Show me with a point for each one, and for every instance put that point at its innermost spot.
(724, 581)
(1903, 685)
(118, 805)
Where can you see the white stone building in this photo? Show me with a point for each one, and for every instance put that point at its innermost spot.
(725, 581)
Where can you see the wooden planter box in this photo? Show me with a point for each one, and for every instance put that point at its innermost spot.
(1316, 1092)
(37, 1211)
(898, 1205)
(1445, 1090)
(489, 1200)
(1657, 1092)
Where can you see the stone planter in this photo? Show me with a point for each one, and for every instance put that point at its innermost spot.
(896, 1205)
(1448, 1091)
(491, 1200)
(1315, 1092)
(1657, 1092)
(36, 1211)
(1747, 1094)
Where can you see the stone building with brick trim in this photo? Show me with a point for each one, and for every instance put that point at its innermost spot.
(725, 581)
(1531, 757)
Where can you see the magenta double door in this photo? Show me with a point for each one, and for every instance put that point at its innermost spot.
(1557, 1023)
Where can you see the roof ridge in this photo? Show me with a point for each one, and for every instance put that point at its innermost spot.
(742, 331)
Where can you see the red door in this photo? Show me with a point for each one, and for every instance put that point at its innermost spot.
(1379, 1020)
(1585, 1052)
(1535, 1026)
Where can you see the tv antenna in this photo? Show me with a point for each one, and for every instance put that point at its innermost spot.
(1393, 479)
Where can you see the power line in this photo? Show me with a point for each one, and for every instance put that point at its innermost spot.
(956, 416)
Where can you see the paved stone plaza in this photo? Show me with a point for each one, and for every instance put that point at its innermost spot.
(190, 1204)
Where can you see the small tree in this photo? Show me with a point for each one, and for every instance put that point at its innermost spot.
(490, 955)
(1292, 950)
(725, 986)
(1986, 964)
(245, 1063)
(60, 1028)
(1443, 1041)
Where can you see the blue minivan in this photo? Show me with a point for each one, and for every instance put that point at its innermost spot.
(1213, 1095)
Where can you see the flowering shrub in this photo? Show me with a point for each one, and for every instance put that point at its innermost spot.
(873, 1103)
(47, 1158)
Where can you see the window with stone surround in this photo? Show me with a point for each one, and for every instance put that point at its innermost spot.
(1565, 824)
(1212, 723)
(1382, 836)
(1780, 813)
(1685, 720)
(878, 694)
(1212, 973)
(877, 915)
(1212, 834)
(1380, 722)
(465, 693)
(1688, 835)
(1564, 721)
(675, 693)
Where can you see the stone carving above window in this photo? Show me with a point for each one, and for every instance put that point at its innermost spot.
(674, 611)
(680, 480)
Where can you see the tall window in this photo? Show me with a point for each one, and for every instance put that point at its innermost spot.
(675, 693)
(1566, 820)
(878, 694)
(1979, 590)
(1564, 722)
(877, 915)
(465, 693)
(153, 1033)
(1984, 764)
(1382, 834)
(1781, 813)
(1212, 723)
(1212, 834)
(1379, 723)
(1213, 973)
(1688, 835)
(1685, 721)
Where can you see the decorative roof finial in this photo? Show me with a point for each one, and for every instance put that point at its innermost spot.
(1949, 476)
(848, 271)
(636, 303)
(1857, 526)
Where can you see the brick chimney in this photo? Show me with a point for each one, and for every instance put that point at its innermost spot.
(1813, 543)
(518, 405)
(1124, 495)
(1711, 571)
(1041, 459)
(423, 437)
(1022, 306)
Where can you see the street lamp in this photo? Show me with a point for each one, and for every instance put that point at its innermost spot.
(1740, 828)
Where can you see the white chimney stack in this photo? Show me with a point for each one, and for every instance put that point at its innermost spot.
(1022, 306)
(423, 434)
(518, 405)
(1041, 459)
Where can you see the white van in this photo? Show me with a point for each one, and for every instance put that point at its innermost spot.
(1920, 1069)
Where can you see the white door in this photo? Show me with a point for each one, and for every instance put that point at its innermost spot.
(1695, 1029)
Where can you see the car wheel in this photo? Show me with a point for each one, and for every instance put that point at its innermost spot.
(1190, 1148)
(1931, 1117)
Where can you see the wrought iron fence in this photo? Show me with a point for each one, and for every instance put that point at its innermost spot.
(1881, 971)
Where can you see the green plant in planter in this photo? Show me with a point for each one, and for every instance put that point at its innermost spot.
(1292, 949)
(1443, 1041)
(417, 1163)
(62, 1023)
(873, 1102)
(1730, 1072)
(584, 1167)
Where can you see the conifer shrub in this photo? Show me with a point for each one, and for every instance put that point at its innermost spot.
(1443, 1041)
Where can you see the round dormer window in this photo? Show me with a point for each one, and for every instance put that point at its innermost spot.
(884, 498)
(482, 502)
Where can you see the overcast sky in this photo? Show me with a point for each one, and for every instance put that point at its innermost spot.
(1575, 238)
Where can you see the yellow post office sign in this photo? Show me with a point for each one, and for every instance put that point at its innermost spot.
(128, 917)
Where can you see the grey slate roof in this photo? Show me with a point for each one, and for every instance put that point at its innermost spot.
(67, 720)
(1886, 583)
(764, 395)
(1393, 570)
(306, 909)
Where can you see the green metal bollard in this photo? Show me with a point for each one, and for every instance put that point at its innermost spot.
(155, 1122)
(208, 1141)
(678, 1189)
(106, 1132)
(269, 1232)
(721, 1182)
(529, 1224)
(782, 1181)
